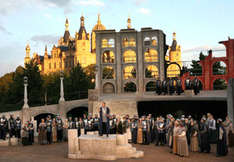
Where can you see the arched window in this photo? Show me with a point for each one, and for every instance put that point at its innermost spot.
(125, 42)
(129, 56)
(111, 43)
(130, 87)
(129, 72)
(150, 86)
(219, 68)
(108, 88)
(219, 84)
(154, 41)
(108, 72)
(151, 72)
(151, 55)
(132, 42)
(104, 43)
(147, 41)
(173, 70)
(108, 57)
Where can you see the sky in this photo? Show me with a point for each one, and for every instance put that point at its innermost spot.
(199, 24)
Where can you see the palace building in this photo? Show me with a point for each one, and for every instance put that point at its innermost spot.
(82, 49)
(70, 50)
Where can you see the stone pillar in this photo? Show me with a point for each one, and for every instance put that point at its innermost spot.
(25, 93)
(118, 67)
(73, 143)
(230, 99)
(140, 54)
(61, 89)
(61, 110)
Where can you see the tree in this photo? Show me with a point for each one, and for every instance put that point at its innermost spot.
(196, 68)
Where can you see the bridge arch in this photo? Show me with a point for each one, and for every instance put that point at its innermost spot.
(77, 112)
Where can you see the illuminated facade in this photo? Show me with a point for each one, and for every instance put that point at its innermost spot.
(70, 50)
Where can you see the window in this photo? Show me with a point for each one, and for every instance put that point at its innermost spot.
(151, 72)
(129, 72)
(108, 57)
(151, 55)
(154, 41)
(129, 56)
(147, 41)
(108, 72)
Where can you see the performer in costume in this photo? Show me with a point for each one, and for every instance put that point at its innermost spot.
(222, 149)
(54, 130)
(42, 132)
(194, 147)
(77, 126)
(18, 127)
(203, 137)
(59, 128)
(12, 126)
(133, 126)
(3, 127)
(104, 119)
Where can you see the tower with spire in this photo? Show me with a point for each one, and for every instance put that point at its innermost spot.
(98, 26)
(174, 56)
(70, 50)
(129, 26)
(27, 57)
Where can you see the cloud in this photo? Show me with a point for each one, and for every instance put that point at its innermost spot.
(203, 48)
(4, 30)
(45, 39)
(139, 2)
(144, 11)
(91, 3)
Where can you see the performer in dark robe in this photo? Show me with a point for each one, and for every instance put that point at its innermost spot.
(95, 122)
(222, 148)
(59, 128)
(77, 126)
(145, 131)
(196, 85)
(203, 137)
(104, 114)
(12, 126)
(158, 87)
(179, 89)
(49, 130)
(164, 87)
(171, 86)
(31, 131)
(156, 133)
(18, 127)
(71, 124)
(161, 131)
(114, 124)
(151, 121)
(3, 127)
(119, 128)
(133, 126)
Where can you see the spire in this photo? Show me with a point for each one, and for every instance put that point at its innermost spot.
(82, 21)
(129, 23)
(99, 20)
(45, 48)
(67, 24)
(174, 36)
(27, 50)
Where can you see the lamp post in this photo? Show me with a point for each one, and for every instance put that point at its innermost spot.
(25, 93)
(61, 87)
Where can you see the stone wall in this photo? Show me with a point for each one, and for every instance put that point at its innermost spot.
(119, 107)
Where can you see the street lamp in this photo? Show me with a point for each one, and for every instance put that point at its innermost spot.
(61, 87)
(25, 92)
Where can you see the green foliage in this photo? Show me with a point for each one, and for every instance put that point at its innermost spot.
(42, 89)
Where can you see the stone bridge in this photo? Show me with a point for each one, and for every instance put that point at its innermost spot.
(62, 108)
(123, 104)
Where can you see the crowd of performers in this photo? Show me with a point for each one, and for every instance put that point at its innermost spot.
(171, 86)
(181, 135)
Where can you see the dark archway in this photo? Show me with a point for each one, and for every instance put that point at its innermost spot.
(77, 112)
(178, 108)
(43, 116)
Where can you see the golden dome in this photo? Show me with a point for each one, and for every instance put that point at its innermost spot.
(99, 25)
